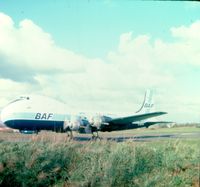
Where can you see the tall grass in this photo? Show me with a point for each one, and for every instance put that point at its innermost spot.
(44, 163)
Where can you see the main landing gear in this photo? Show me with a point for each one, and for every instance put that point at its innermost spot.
(95, 135)
(69, 133)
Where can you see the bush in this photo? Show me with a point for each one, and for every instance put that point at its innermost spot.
(98, 164)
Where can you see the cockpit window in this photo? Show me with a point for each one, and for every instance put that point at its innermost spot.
(20, 99)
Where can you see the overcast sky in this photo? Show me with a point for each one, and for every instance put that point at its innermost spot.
(103, 55)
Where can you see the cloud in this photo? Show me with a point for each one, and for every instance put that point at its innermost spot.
(31, 62)
(187, 33)
(11, 90)
(185, 47)
(137, 60)
(15, 72)
(29, 47)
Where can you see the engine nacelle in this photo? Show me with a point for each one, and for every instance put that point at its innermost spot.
(97, 121)
(73, 123)
(76, 122)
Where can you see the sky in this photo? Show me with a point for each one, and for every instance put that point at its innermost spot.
(102, 55)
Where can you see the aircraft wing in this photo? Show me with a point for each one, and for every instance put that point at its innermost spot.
(133, 118)
(148, 123)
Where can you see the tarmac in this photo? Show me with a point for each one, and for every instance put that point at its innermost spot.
(143, 137)
(117, 136)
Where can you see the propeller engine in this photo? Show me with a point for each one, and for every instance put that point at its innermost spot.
(73, 123)
(97, 120)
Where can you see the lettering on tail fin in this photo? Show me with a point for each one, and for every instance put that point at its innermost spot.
(147, 104)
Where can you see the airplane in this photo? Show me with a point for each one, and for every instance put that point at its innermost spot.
(33, 113)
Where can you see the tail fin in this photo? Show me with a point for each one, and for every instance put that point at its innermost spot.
(148, 104)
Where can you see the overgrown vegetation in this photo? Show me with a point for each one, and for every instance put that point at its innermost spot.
(44, 163)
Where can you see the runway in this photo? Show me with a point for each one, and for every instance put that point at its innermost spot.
(137, 135)
(143, 137)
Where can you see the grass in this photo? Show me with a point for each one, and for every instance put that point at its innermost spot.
(50, 160)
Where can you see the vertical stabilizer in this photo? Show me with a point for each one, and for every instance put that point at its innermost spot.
(148, 104)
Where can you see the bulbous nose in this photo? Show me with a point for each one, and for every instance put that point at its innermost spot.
(3, 115)
(6, 116)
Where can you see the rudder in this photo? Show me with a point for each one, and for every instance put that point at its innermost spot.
(148, 103)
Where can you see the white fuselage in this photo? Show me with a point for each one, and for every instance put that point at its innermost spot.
(36, 113)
